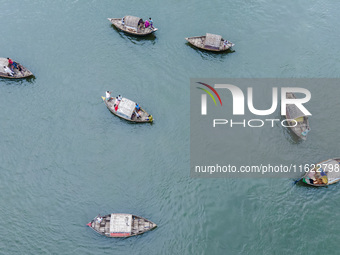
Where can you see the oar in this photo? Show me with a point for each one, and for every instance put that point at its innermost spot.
(296, 181)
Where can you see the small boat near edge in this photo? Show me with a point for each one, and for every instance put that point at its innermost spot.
(19, 71)
(323, 173)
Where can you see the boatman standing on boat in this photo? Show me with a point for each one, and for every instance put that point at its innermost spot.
(151, 22)
(108, 95)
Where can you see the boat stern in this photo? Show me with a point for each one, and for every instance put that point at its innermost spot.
(304, 138)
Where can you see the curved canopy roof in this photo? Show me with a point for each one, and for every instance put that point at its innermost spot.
(132, 21)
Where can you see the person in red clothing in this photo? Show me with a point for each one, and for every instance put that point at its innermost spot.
(10, 63)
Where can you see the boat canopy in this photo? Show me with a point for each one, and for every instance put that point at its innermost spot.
(293, 112)
(120, 223)
(126, 108)
(212, 41)
(132, 21)
(331, 167)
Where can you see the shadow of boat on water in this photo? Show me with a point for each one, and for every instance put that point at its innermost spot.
(18, 81)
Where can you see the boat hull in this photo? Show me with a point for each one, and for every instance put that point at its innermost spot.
(143, 32)
(325, 166)
(144, 116)
(300, 128)
(120, 225)
(23, 72)
(198, 42)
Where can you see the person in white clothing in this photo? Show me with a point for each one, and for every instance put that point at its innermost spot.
(108, 95)
(8, 71)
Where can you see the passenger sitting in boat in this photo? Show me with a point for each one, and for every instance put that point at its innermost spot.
(225, 43)
(119, 99)
(149, 118)
(140, 25)
(15, 65)
(318, 177)
(147, 24)
(123, 21)
(10, 63)
(137, 115)
(108, 95)
(304, 133)
(99, 219)
(8, 71)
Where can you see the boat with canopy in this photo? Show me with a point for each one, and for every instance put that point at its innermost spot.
(297, 119)
(133, 25)
(126, 109)
(121, 225)
(210, 42)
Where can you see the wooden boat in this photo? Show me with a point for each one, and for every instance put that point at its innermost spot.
(19, 72)
(132, 25)
(126, 109)
(210, 42)
(121, 225)
(301, 120)
(324, 173)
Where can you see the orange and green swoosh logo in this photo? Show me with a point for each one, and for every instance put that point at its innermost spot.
(209, 93)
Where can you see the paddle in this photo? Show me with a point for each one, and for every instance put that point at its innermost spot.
(296, 181)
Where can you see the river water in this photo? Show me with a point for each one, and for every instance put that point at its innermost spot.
(65, 158)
